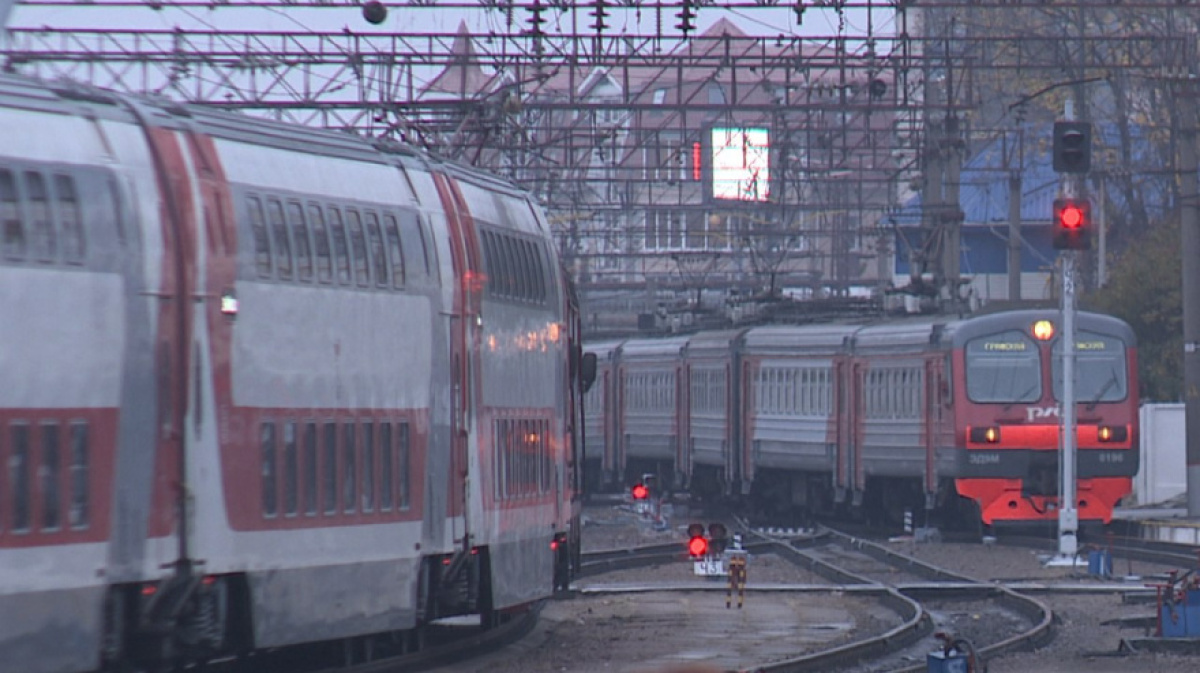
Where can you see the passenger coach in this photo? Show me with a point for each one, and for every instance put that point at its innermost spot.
(956, 417)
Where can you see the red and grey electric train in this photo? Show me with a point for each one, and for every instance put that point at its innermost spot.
(916, 412)
(266, 385)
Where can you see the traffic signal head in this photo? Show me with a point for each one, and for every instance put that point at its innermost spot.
(697, 546)
(718, 537)
(1072, 147)
(640, 492)
(1072, 224)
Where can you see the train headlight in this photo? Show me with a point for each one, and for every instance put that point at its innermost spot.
(1043, 330)
(1112, 433)
(988, 435)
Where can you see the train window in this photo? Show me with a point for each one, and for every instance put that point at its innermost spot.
(316, 221)
(358, 247)
(20, 476)
(426, 253)
(310, 468)
(48, 474)
(375, 245)
(10, 217)
(69, 217)
(341, 251)
(539, 272)
(262, 241)
(368, 467)
(489, 259)
(279, 240)
(291, 470)
(304, 263)
(349, 467)
(403, 477)
(387, 481)
(1004, 367)
(329, 480)
(77, 516)
(45, 243)
(527, 269)
(1099, 368)
(395, 250)
(266, 442)
(520, 268)
(413, 242)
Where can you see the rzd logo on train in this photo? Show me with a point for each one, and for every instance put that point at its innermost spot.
(1038, 413)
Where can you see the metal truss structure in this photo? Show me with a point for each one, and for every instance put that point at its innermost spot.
(613, 127)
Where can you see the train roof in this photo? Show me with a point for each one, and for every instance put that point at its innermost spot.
(66, 97)
(672, 346)
(792, 337)
(959, 332)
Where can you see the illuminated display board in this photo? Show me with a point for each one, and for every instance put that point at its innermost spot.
(741, 163)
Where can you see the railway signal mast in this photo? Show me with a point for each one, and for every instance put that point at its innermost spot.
(1072, 231)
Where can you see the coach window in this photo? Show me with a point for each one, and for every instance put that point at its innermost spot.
(341, 251)
(45, 244)
(279, 240)
(10, 217)
(20, 475)
(77, 517)
(69, 217)
(304, 265)
(329, 479)
(349, 467)
(539, 271)
(426, 252)
(386, 468)
(403, 483)
(291, 470)
(310, 468)
(395, 250)
(266, 441)
(1003, 367)
(358, 248)
(375, 245)
(368, 467)
(531, 280)
(316, 220)
(49, 477)
(262, 241)
(489, 258)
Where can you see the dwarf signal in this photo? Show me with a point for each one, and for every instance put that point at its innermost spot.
(640, 492)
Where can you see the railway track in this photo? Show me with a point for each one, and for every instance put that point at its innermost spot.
(923, 596)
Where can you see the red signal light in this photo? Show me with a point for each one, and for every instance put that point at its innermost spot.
(640, 492)
(1071, 217)
(697, 546)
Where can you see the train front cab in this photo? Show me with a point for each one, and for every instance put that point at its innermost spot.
(1007, 396)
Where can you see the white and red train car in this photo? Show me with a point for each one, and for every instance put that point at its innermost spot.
(914, 413)
(267, 385)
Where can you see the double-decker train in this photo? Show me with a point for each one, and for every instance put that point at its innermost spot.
(266, 385)
(956, 416)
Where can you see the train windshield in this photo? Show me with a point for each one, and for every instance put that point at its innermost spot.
(1004, 367)
(1099, 369)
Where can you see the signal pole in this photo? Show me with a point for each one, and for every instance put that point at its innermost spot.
(1068, 516)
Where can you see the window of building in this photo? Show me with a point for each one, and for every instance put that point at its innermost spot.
(69, 217)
